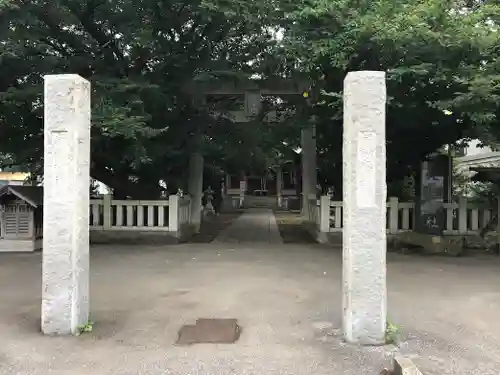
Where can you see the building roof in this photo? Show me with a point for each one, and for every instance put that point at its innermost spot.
(32, 195)
(486, 159)
(13, 175)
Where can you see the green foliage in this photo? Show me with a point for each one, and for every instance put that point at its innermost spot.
(86, 328)
(392, 333)
(138, 56)
(438, 55)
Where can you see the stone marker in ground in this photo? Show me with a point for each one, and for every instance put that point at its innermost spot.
(210, 331)
(65, 294)
(364, 190)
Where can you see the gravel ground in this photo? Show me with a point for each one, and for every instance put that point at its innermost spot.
(286, 297)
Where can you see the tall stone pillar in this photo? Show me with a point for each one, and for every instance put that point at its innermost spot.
(65, 292)
(364, 198)
(195, 187)
(309, 178)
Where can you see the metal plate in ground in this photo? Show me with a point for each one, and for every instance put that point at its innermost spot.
(210, 331)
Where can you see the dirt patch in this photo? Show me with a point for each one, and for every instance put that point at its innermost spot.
(211, 226)
(291, 228)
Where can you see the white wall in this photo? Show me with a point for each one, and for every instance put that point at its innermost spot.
(16, 183)
(101, 188)
(474, 149)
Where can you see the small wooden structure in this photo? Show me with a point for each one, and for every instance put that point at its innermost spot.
(21, 218)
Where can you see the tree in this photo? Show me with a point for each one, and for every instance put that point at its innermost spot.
(138, 56)
(442, 62)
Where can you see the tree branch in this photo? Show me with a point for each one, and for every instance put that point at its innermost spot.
(108, 43)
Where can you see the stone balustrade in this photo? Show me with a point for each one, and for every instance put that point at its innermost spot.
(462, 217)
(168, 215)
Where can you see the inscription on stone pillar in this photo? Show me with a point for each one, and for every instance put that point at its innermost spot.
(366, 174)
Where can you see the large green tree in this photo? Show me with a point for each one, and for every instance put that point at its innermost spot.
(442, 62)
(138, 55)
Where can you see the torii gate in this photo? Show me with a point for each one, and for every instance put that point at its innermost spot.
(253, 90)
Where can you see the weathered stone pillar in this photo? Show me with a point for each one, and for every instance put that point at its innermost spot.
(309, 178)
(195, 187)
(65, 292)
(364, 191)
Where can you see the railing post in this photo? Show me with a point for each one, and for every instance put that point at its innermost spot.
(312, 205)
(324, 225)
(31, 223)
(474, 219)
(2, 219)
(449, 217)
(243, 189)
(462, 215)
(486, 217)
(393, 214)
(173, 213)
(189, 217)
(241, 198)
(106, 209)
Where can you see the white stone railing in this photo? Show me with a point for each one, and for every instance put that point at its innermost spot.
(141, 215)
(461, 217)
(237, 196)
